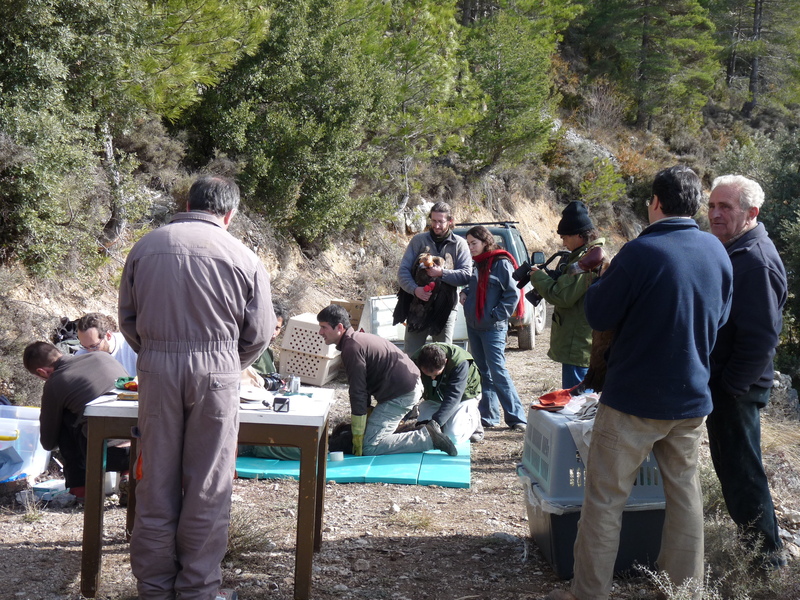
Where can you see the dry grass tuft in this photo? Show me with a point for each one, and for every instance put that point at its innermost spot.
(248, 532)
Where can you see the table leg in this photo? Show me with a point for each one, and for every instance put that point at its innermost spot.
(131, 509)
(93, 510)
(306, 523)
(322, 464)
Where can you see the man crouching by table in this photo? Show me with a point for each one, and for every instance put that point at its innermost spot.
(195, 304)
(376, 367)
(71, 382)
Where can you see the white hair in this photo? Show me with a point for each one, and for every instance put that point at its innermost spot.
(750, 192)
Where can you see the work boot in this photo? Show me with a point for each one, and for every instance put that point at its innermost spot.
(560, 595)
(124, 486)
(440, 440)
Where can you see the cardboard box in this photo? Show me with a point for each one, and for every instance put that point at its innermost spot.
(554, 528)
(312, 369)
(354, 308)
(302, 335)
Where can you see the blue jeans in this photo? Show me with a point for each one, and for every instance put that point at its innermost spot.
(572, 375)
(488, 348)
(734, 438)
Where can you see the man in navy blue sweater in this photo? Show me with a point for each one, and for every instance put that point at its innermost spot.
(741, 363)
(665, 295)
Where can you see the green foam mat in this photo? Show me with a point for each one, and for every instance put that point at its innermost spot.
(422, 468)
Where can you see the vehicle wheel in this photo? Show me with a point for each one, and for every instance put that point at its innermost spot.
(526, 336)
(540, 317)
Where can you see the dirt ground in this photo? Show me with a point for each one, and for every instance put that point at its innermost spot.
(380, 540)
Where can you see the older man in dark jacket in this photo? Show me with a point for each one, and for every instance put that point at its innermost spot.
(741, 368)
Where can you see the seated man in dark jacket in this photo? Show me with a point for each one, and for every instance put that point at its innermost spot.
(451, 390)
(71, 382)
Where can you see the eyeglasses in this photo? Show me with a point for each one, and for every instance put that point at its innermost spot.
(436, 222)
(93, 347)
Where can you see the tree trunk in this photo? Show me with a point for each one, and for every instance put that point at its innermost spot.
(747, 109)
(115, 225)
(642, 108)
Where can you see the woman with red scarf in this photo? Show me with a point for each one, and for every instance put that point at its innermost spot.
(489, 300)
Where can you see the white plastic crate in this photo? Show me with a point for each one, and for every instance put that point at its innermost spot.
(302, 335)
(21, 454)
(312, 370)
(552, 459)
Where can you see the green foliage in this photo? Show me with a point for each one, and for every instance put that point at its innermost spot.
(184, 46)
(773, 50)
(294, 115)
(660, 53)
(430, 98)
(509, 54)
(601, 186)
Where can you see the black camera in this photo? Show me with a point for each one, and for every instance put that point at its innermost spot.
(520, 275)
(273, 382)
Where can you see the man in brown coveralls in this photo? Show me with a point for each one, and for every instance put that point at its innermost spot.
(195, 304)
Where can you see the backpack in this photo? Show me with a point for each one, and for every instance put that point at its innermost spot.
(65, 336)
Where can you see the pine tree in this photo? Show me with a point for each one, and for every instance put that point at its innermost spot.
(661, 51)
(509, 52)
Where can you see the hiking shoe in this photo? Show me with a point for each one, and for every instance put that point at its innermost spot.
(560, 595)
(124, 482)
(774, 561)
(227, 594)
(440, 440)
(519, 427)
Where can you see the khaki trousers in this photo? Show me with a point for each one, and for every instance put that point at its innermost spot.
(619, 444)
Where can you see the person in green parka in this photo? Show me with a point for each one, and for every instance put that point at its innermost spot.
(570, 335)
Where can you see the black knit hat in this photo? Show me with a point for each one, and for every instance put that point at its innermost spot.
(574, 219)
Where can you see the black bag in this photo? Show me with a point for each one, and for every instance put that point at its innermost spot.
(65, 336)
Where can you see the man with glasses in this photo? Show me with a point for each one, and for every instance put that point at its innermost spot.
(665, 296)
(98, 333)
(439, 241)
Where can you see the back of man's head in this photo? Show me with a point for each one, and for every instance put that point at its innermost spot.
(679, 191)
(214, 194)
(39, 355)
(333, 315)
(97, 321)
(281, 309)
(751, 194)
(431, 357)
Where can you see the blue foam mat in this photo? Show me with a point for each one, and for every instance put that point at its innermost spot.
(426, 468)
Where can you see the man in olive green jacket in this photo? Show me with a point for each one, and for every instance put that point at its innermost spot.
(451, 390)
